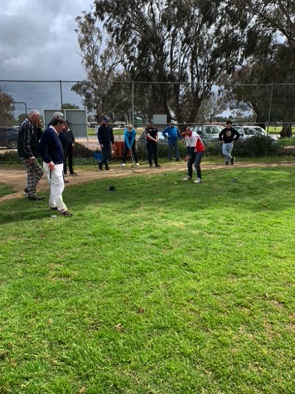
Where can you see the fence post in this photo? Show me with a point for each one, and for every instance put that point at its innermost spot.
(132, 102)
(60, 89)
(269, 115)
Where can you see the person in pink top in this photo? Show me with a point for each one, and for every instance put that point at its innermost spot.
(195, 149)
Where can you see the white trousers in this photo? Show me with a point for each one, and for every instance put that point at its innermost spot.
(57, 185)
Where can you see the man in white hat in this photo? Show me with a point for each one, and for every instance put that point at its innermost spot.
(172, 135)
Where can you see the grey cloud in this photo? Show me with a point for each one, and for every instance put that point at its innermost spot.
(38, 40)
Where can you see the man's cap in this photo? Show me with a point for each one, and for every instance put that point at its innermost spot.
(172, 121)
(58, 115)
(130, 126)
(105, 119)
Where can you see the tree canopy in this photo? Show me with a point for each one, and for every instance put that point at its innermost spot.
(6, 109)
(176, 50)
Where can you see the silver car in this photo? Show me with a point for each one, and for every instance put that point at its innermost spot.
(208, 132)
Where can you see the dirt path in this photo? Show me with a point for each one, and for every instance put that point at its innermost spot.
(16, 178)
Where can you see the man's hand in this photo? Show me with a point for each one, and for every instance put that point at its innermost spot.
(51, 166)
(32, 160)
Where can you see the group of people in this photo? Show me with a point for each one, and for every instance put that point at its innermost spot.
(55, 144)
(105, 138)
(195, 147)
(54, 149)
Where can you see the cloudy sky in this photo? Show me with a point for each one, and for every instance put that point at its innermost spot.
(38, 42)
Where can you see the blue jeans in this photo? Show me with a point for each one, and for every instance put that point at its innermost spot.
(227, 150)
(173, 145)
(195, 160)
(197, 163)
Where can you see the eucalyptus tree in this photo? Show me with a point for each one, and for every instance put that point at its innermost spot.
(270, 55)
(276, 16)
(6, 109)
(188, 44)
(175, 50)
(98, 91)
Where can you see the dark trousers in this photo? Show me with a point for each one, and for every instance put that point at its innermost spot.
(195, 160)
(69, 157)
(152, 151)
(106, 154)
(126, 149)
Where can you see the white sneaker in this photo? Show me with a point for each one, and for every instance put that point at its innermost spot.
(187, 178)
(123, 164)
(198, 180)
(137, 164)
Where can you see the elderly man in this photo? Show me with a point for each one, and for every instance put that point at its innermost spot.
(28, 140)
(51, 151)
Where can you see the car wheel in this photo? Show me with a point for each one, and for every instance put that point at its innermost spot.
(12, 144)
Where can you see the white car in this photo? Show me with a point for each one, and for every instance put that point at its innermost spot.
(259, 129)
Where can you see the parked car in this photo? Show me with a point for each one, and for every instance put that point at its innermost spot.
(245, 131)
(208, 132)
(259, 129)
(9, 136)
(119, 124)
(252, 131)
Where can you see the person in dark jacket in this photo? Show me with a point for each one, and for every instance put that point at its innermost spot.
(69, 150)
(106, 139)
(151, 135)
(28, 140)
(227, 137)
(52, 153)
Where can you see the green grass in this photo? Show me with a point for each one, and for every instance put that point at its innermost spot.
(277, 129)
(162, 286)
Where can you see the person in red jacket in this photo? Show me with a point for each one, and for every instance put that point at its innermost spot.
(195, 149)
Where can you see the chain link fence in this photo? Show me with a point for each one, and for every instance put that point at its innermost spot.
(271, 105)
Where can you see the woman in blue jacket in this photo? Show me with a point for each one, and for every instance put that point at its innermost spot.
(129, 139)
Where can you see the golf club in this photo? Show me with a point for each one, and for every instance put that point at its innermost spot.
(132, 158)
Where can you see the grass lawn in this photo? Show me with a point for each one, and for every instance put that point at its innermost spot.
(161, 286)
(277, 129)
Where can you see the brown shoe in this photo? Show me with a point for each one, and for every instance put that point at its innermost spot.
(66, 213)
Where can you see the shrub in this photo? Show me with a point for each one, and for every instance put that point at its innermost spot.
(255, 146)
(212, 148)
(82, 151)
(9, 158)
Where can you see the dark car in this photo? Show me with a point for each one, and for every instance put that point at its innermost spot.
(8, 137)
